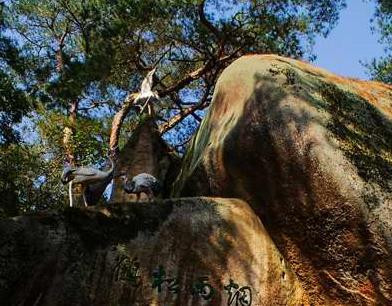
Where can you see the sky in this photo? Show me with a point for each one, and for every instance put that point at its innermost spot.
(350, 42)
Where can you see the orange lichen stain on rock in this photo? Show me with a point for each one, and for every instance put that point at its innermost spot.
(371, 91)
(230, 98)
(377, 93)
(302, 265)
(351, 240)
(367, 289)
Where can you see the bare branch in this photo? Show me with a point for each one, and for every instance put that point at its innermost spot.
(94, 104)
(187, 43)
(175, 120)
(198, 118)
(37, 44)
(218, 34)
(194, 75)
(180, 104)
(62, 38)
(163, 55)
(204, 102)
(184, 60)
(119, 119)
(163, 128)
(207, 23)
(186, 80)
(183, 143)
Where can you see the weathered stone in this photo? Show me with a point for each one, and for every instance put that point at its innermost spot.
(145, 152)
(311, 153)
(118, 255)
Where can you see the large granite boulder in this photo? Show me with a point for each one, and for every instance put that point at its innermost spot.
(311, 152)
(192, 251)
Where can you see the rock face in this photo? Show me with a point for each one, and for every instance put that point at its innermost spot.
(193, 251)
(311, 153)
(145, 152)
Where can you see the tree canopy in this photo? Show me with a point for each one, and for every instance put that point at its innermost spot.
(381, 69)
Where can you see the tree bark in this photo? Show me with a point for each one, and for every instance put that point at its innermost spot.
(173, 121)
(69, 132)
(118, 121)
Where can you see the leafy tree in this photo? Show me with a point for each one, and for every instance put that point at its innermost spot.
(381, 69)
(13, 106)
(13, 102)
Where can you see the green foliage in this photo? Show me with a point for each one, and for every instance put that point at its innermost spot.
(114, 42)
(89, 142)
(381, 69)
(31, 173)
(13, 106)
(29, 180)
(13, 102)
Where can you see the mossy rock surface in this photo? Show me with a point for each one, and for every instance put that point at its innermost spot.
(311, 152)
(191, 251)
